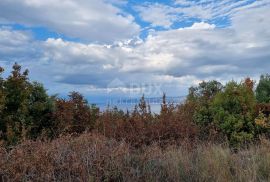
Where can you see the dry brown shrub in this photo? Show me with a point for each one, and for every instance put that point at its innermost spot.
(172, 126)
(92, 157)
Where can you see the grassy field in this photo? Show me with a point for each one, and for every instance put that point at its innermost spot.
(91, 157)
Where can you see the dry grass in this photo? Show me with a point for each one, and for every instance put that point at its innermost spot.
(91, 157)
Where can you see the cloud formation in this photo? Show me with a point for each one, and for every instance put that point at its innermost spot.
(170, 60)
(93, 20)
(163, 15)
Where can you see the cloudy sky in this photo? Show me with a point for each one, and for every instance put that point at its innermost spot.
(129, 47)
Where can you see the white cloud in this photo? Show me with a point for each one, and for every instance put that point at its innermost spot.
(157, 14)
(92, 20)
(174, 59)
(17, 45)
(201, 26)
(183, 2)
(204, 10)
(209, 9)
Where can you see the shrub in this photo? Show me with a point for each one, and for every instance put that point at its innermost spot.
(233, 112)
(92, 157)
(74, 115)
(202, 97)
(172, 126)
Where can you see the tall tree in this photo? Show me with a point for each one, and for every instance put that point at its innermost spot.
(202, 96)
(26, 109)
(40, 108)
(17, 89)
(263, 89)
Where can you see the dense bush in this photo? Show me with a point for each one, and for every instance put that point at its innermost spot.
(233, 112)
(228, 111)
(202, 97)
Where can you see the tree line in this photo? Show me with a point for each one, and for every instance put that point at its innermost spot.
(212, 112)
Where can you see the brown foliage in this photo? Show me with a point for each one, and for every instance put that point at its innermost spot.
(92, 157)
(73, 115)
(249, 83)
(172, 126)
(65, 159)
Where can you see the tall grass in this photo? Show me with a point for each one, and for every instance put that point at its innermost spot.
(92, 157)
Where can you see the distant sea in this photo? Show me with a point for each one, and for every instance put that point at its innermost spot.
(129, 103)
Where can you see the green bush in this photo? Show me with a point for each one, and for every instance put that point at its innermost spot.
(233, 111)
(202, 97)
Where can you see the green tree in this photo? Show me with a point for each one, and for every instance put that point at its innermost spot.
(17, 89)
(26, 108)
(205, 91)
(202, 96)
(263, 89)
(40, 108)
(233, 112)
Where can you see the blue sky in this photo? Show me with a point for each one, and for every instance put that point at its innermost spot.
(124, 48)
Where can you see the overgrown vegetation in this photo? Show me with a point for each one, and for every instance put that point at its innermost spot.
(92, 157)
(193, 141)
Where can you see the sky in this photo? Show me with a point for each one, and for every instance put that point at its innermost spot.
(126, 48)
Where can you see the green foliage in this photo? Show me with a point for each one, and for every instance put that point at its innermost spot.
(229, 110)
(202, 97)
(233, 112)
(16, 117)
(263, 89)
(25, 107)
(40, 108)
(28, 112)
(204, 92)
